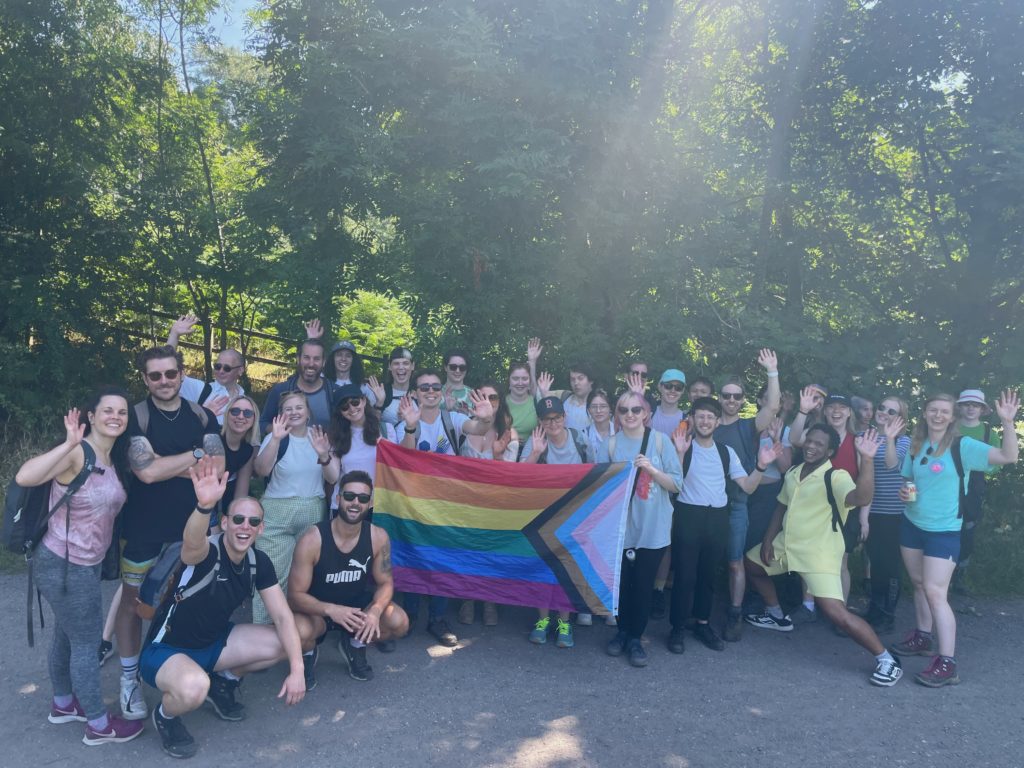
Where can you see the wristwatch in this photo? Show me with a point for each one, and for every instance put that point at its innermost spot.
(198, 453)
(324, 463)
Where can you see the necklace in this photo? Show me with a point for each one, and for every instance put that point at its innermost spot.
(177, 413)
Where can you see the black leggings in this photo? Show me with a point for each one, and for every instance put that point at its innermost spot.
(636, 587)
(883, 547)
(699, 538)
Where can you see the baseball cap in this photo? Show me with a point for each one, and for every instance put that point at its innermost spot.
(836, 398)
(347, 391)
(549, 406)
(344, 345)
(973, 396)
(673, 374)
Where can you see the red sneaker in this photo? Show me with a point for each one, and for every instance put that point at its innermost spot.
(942, 671)
(117, 730)
(70, 714)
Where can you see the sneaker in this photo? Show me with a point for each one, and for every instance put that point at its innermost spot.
(563, 634)
(637, 654)
(942, 671)
(442, 633)
(539, 635)
(467, 611)
(387, 646)
(133, 705)
(803, 615)
(221, 696)
(766, 621)
(73, 713)
(174, 736)
(117, 730)
(914, 644)
(658, 604)
(106, 651)
(709, 637)
(733, 632)
(355, 658)
(309, 668)
(584, 620)
(617, 645)
(887, 673)
(490, 615)
(675, 641)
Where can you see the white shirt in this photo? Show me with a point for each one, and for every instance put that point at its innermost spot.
(704, 484)
(297, 474)
(432, 437)
(191, 389)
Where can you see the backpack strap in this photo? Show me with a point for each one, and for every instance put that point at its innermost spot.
(449, 431)
(181, 593)
(205, 393)
(723, 456)
(581, 444)
(837, 521)
(282, 449)
(643, 450)
(142, 416)
(958, 462)
(200, 412)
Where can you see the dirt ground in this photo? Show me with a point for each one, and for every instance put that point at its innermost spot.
(797, 699)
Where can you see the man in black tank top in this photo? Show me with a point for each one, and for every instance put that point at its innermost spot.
(341, 580)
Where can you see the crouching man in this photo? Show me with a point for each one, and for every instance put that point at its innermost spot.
(341, 580)
(194, 653)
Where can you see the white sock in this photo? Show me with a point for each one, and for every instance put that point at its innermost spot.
(129, 668)
(775, 611)
(357, 643)
(227, 674)
(884, 656)
(809, 605)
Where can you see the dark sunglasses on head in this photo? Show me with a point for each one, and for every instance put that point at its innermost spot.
(457, 367)
(635, 410)
(673, 386)
(170, 375)
(349, 402)
(239, 519)
(364, 498)
(732, 395)
(247, 412)
(428, 387)
(889, 411)
(225, 368)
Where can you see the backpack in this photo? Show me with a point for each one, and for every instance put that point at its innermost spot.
(837, 521)
(577, 440)
(449, 432)
(164, 586)
(969, 502)
(723, 455)
(142, 414)
(207, 391)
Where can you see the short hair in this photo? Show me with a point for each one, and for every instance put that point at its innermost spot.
(238, 355)
(311, 342)
(158, 353)
(245, 500)
(735, 380)
(355, 476)
(830, 433)
(707, 404)
(637, 361)
(426, 372)
(291, 395)
(581, 367)
(456, 353)
(702, 380)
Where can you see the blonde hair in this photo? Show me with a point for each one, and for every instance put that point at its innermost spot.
(628, 394)
(253, 435)
(902, 406)
(291, 396)
(920, 436)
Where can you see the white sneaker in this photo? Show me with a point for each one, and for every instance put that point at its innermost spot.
(611, 621)
(766, 621)
(133, 705)
(584, 620)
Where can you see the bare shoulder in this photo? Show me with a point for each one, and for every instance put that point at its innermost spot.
(379, 538)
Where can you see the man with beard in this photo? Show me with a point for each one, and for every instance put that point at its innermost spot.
(320, 393)
(341, 581)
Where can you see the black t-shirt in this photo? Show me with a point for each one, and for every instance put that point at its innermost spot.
(157, 512)
(234, 461)
(203, 617)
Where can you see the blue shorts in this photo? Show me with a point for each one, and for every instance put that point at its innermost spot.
(737, 530)
(156, 654)
(944, 545)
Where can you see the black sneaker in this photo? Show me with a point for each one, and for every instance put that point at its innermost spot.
(675, 641)
(309, 668)
(658, 604)
(174, 736)
(617, 645)
(106, 651)
(442, 633)
(733, 628)
(709, 637)
(222, 697)
(637, 654)
(387, 646)
(358, 668)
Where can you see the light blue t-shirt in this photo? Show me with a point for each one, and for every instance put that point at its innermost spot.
(938, 498)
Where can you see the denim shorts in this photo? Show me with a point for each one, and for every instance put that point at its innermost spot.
(737, 530)
(944, 545)
(155, 655)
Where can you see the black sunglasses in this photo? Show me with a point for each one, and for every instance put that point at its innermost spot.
(364, 498)
(673, 386)
(494, 398)
(732, 395)
(889, 411)
(642, 374)
(924, 459)
(225, 368)
(349, 402)
(253, 521)
(170, 375)
(247, 412)
(624, 409)
(458, 367)
(428, 387)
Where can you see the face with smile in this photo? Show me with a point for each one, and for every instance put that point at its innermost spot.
(353, 409)
(671, 392)
(519, 381)
(732, 399)
(704, 423)
(238, 537)
(295, 410)
(352, 510)
(455, 370)
(401, 370)
(228, 369)
(882, 417)
(110, 418)
(599, 409)
(428, 391)
(168, 378)
(311, 362)
(699, 389)
(342, 363)
(938, 414)
(239, 423)
(630, 412)
(554, 426)
(837, 415)
(816, 447)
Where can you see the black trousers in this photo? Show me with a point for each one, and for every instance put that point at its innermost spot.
(636, 587)
(883, 547)
(699, 539)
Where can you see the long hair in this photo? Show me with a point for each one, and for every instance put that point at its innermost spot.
(119, 451)
(356, 374)
(920, 436)
(340, 429)
(502, 415)
(253, 435)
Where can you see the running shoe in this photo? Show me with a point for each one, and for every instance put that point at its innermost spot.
(539, 635)
(563, 635)
(117, 730)
(617, 645)
(355, 658)
(636, 652)
(887, 673)
(766, 621)
(106, 651)
(174, 736)
(309, 668)
(133, 705)
(73, 713)
(221, 696)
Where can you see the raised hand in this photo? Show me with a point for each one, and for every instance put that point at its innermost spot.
(217, 404)
(320, 441)
(894, 428)
(867, 443)
(544, 382)
(767, 359)
(768, 453)
(533, 350)
(409, 412)
(540, 443)
(682, 439)
(635, 382)
(75, 431)
(810, 398)
(314, 329)
(184, 325)
(482, 409)
(377, 389)
(279, 427)
(775, 429)
(208, 483)
(1007, 406)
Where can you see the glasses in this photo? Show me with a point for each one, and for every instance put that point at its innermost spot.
(672, 386)
(253, 521)
(924, 459)
(552, 419)
(456, 367)
(170, 375)
(732, 395)
(349, 403)
(642, 374)
(364, 498)
(429, 387)
(636, 410)
(599, 406)
(889, 411)
(225, 368)
(247, 412)
(494, 398)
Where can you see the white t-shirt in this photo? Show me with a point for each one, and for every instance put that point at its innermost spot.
(362, 457)
(191, 389)
(576, 416)
(390, 414)
(432, 437)
(297, 474)
(704, 484)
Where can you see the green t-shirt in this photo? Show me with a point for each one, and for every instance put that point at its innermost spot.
(524, 417)
(995, 438)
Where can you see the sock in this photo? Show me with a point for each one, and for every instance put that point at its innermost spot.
(809, 605)
(309, 654)
(129, 668)
(884, 656)
(950, 659)
(63, 702)
(357, 643)
(100, 723)
(659, 585)
(227, 674)
(163, 714)
(925, 635)
(775, 611)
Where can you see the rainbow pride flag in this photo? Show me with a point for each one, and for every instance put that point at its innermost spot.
(515, 534)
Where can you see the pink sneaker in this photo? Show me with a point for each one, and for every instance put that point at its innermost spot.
(71, 714)
(942, 671)
(117, 730)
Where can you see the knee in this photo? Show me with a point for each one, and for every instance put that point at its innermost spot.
(191, 688)
(935, 593)
(397, 623)
(738, 567)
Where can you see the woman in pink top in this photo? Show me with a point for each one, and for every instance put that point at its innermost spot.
(66, 565)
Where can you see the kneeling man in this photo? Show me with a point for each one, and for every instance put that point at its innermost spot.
(341, 580)
(195, 653)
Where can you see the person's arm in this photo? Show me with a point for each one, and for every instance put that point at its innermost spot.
(150, 468)
(765, 456)
(535, 445)
(483, 415)
(533, 352)
(773, 395)
(798, 429)
(314, 329)
(1006, 407)
(63, 462)
(300, 578)
(209, 483)
(267, 457)
(385, 582)
(767, 550)
(181, 327)
(671, 477)
(544, 383)
(322, 445)
(294, 686)
(867, 446)
(409, 415)
(892, 432)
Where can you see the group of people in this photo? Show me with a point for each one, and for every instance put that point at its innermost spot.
(792, 489)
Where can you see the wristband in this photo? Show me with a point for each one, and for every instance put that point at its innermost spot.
(773, 374)
(760, 469)
(204, 510)
(324, 463)
(804, 413)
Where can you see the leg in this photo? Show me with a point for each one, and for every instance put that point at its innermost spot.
(183, 683)
(913, 560)
(310, 628)
(761, 581)
(393, 623)
(844, 574)
(646, 569)
(738, 523)
(936, 575)
(108, 625)
(278, 542)
(684, 563)
(250, 647)
(854, 626)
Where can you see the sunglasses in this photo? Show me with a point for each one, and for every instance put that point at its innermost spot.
(364, 498)
(672, 386)
(889, 411)
(349, 402)
(636, 410)
(253, 521)
(643, 374)
(170, 375)
(457, 367)
(732, 395)
(225, 368)
(247, 412)
(924, 459)
(494, 398)
(429, 387)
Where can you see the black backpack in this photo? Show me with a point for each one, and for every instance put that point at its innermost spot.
(723, 455)
(969, 505)
(837, 521)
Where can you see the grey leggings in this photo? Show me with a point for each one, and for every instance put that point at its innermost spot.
(78, 628)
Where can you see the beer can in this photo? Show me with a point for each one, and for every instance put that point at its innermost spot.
(911, 487)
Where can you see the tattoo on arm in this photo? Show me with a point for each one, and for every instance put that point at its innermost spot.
(385, 558)
(140, 453)
(212, 445)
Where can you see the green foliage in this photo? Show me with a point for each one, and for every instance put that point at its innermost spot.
(375, 323)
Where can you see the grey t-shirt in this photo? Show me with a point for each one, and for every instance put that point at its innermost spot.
(564, 454)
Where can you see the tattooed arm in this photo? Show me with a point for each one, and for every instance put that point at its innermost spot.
(150, 468)
(382, 575)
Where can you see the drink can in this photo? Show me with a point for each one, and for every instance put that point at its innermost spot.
(911, 487)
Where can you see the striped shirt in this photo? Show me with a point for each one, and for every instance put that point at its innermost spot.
(886, 500)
